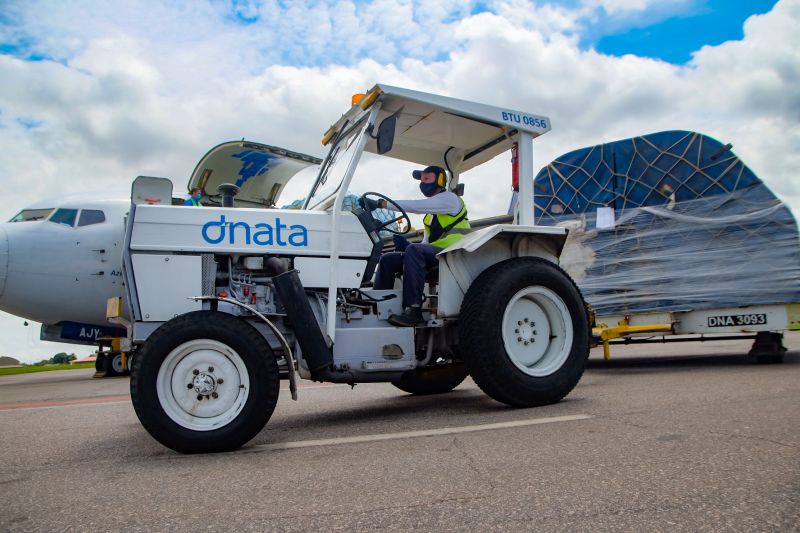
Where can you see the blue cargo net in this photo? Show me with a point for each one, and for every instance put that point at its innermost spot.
(692, 226)
(652, 170)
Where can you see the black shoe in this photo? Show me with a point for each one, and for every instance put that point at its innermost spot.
(410, 317)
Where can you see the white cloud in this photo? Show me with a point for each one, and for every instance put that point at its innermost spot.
(148, 89)
(614, 7)
(546, 19)
(751, 96)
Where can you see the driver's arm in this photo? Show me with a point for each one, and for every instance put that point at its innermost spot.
(443, 203)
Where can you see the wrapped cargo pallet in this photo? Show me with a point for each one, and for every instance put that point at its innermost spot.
(671, 221)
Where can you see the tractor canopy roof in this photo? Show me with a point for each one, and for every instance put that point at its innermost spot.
(439, 130)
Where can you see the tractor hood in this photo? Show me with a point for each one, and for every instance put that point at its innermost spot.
(259, 170)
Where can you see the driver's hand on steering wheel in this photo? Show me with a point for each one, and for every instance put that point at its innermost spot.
(371, 205)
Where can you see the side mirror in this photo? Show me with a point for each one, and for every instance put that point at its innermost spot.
(386, 133)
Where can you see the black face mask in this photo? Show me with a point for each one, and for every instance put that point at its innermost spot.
(429, 189)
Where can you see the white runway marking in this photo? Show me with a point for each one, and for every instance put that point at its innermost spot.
(420, 433)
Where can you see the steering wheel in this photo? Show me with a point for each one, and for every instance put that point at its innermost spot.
(383, 226)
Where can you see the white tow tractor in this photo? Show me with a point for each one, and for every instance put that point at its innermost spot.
(218, 295)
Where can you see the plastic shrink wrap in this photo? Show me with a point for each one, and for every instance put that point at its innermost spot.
(671, 221)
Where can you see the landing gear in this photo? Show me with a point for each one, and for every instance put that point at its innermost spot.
(768, 348)
(99, 365)
(109, 364)
(113, 364)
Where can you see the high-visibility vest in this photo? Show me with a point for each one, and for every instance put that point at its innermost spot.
(192, 201)
(446, 230)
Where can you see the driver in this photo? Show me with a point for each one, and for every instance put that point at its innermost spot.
(445, 223)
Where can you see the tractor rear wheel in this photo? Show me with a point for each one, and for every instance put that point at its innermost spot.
(524, 332)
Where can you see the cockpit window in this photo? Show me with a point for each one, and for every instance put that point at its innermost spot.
(65, 216)
(91, 216)
(29, 215)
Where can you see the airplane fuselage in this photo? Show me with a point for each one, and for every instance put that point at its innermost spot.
(64, 266)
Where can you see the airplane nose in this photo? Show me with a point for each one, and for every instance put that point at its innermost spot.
(3, 259)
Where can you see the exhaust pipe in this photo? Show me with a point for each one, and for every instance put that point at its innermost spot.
(228, 191)
(316, 351)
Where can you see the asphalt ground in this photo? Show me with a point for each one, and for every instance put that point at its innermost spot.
(677, 437)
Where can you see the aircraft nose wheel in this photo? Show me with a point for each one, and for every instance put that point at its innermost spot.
(109, 364)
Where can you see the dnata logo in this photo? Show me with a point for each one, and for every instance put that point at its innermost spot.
(263, 234)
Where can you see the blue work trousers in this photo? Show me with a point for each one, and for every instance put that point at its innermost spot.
(412, 264)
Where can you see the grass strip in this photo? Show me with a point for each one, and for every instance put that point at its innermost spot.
(27, 369)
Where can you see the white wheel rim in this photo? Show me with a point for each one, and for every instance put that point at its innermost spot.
(537, 331)
(218, 376)
(116, 364)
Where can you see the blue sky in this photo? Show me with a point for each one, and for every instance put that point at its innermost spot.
(669, 30)
(674, 38)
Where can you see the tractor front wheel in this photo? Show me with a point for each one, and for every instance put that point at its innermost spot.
(204, 382)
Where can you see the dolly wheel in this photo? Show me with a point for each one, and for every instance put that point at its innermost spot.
(768, 348)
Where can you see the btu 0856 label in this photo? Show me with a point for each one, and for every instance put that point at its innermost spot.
(519, 118)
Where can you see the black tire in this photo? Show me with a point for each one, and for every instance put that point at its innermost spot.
(129, 361)
(433, 380)
(768, 348)
(100, 362)
(481, 335)
(192, 339)
(112, 364)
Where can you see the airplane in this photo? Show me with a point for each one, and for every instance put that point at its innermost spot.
(60, 261)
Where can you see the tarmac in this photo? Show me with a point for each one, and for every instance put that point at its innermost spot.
(676, 437)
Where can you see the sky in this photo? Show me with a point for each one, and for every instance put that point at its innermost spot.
(93, 94)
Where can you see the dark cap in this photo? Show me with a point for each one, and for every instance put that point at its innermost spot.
(417, 174)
